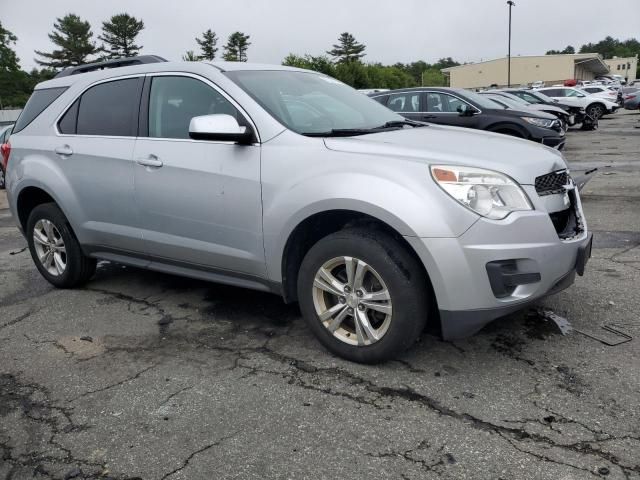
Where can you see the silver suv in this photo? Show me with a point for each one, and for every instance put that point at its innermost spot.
(288, 181)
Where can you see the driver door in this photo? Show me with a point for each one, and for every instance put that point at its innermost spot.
(442, 108)
(199, 201)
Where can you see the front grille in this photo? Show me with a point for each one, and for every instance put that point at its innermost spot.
(553, 182)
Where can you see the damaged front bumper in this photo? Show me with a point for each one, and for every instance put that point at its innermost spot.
(500, 266)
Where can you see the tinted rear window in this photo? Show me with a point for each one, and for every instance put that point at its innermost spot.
(110, 108)
(37, 104)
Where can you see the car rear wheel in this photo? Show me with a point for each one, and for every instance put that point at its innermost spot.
(363, 295)
(55, 249)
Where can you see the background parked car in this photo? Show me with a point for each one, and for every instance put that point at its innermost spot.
(513, 101)
(632, 100)
(4, 151)
(537, 97)
(594, 106)
(463, 108)
(607, 92)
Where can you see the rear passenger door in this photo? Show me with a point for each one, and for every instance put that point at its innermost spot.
(94, 150)
(200, 201)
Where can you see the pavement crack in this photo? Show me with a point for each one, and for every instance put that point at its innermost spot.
(114, 385)
(18, 319)
(191, 456)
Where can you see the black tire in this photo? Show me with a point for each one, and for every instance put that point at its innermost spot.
(2, 178)
(404, 279)
(79, 268)
(596, 110)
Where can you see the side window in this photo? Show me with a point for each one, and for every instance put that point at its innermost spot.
(174, 101)
(404, 102)
(68, 124)
(37, 103)
(110, 109)
(382, 99)
(555, 92)
(443, 103)
(571, 93)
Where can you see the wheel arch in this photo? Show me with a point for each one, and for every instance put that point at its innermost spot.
(320, 224)
(508, 128)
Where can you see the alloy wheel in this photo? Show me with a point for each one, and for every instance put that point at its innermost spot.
(50, 248)
(352, 301)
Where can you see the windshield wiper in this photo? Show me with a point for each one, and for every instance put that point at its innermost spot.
(342, 132)
(350, 132)
(402, 123)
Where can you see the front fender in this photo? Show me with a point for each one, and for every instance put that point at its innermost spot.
(395, 191)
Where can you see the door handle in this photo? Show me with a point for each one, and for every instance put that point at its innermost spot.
(150, 161)
(64, 151)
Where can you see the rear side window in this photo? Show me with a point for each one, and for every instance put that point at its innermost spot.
(68, 122)
(110, 109)
(37, 104)
(382, 99)
(405, 102)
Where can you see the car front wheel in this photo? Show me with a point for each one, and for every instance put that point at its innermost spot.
(596, 111)
(363, 295)
(55, 249)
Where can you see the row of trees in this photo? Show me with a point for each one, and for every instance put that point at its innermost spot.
(609, 47)
(234, 51)
(344, 62)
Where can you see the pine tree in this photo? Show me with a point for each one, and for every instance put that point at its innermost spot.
(236, 48)
(119, 34)
(190, 56)
(208, 44)
(8, 57)
(347, 49)
(73, 36)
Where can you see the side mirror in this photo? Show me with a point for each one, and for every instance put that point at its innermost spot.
(465, 110)
(581, 96)
(220, 127)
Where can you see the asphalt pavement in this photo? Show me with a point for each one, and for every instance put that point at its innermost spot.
(141, 375)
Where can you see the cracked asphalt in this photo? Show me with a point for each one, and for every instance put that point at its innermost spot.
(148, 376)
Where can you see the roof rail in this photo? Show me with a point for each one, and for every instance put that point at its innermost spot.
(118, 62)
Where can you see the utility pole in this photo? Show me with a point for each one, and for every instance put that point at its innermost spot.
(511, 3)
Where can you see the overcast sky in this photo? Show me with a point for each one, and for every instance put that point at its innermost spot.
(393, 31)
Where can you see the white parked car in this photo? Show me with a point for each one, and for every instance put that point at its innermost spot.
(606, 92)
(594, 106)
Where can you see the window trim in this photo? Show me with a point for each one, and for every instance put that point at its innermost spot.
(70, 104)
(423, 102)
(144, 108)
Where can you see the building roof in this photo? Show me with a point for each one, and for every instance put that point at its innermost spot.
(595, 61)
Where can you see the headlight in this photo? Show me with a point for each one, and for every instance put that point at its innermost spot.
(539, 122)
(490, 194)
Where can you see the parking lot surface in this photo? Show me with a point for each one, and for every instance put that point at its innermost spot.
(150, 376)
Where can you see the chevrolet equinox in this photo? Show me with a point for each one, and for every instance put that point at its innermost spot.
(288, 181)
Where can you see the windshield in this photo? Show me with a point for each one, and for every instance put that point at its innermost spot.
(508, 101)
(481, 101)
(311, 103)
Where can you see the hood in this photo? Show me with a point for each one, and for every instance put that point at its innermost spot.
(548, 108)
(523, 160)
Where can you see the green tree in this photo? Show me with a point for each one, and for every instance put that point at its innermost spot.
(119, 34)
(190, 56)
(8, 57)
(567, 50)
(236, 48)
(320, 63)
(208, 44)
(347, 49)
(73, 37)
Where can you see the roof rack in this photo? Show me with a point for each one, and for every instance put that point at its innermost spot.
(118, 62)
